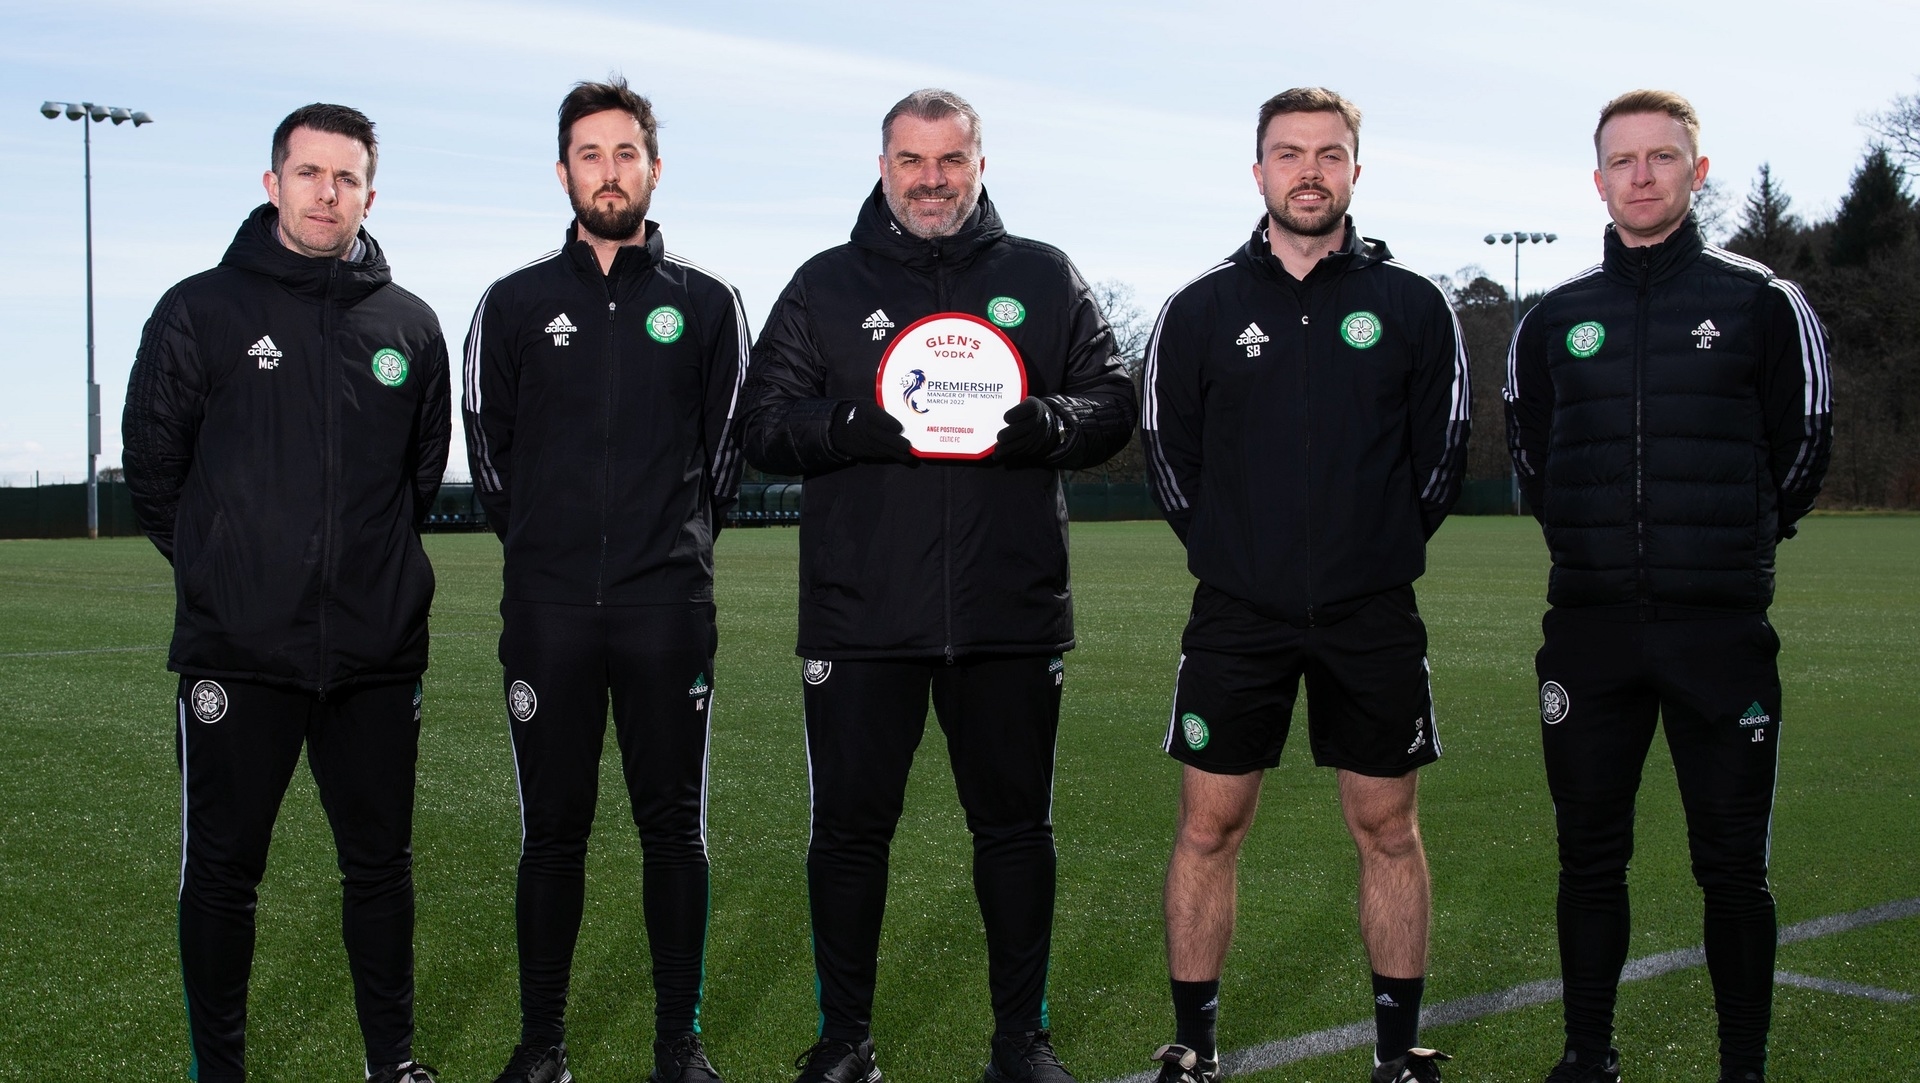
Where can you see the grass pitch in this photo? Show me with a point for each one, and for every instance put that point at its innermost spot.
(90, 806)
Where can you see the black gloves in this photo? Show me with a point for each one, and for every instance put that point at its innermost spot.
(1033, 432)
(865, 433)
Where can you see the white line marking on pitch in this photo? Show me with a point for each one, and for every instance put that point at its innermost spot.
(1339, 1039)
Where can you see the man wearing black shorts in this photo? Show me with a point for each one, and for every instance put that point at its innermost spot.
(286, 430)
(1670, 419)
(939, 578)
(1306, 424)
(601, 381)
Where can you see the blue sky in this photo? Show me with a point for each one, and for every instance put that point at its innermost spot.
(1121, 132)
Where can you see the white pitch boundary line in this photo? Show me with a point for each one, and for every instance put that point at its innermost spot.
(1339, 1039)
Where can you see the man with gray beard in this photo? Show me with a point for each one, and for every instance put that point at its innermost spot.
(933, 560)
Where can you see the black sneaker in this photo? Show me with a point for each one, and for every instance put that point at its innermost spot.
(1178, 1064)
(532, 1064)
(1742, 1075)
(1416, 1065)
(830, 1060)
(681, 1060)
(1575, 1067)
(407, 1071)
(1025, 1058)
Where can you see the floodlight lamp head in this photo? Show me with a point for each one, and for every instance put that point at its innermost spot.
(50, 110)
(75, 111)
(1491, 238)
(1552, 237)
(97, 112)
(1537, 238)
(140, 118)
(119, 115)
(1506, 238)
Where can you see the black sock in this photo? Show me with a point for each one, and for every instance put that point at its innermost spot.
(1196, 1009)
(1396, 1015)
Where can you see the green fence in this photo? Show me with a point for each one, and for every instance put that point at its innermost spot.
(60, 511)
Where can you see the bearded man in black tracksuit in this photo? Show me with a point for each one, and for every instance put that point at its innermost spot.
(1306, 425)
(601, 382)
(932, 574)
(285, 431)
(1670, 420)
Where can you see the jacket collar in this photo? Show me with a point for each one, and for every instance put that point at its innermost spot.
(1354, 253)
(632, 261)
(256, 247)
(1655, 262)
(877, 230)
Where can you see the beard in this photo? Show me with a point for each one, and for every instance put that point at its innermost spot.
(947, 223)
(1331, 216)
(618, 224)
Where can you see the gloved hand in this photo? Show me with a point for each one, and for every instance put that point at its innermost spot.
(865, 433)
(1033, 432)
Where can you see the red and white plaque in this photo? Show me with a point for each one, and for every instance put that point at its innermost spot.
(950, 379)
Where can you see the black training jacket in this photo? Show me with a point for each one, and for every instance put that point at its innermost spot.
(1306, 438)
(1670, 417)
(285, 433)
(599, 416)
(943, 557)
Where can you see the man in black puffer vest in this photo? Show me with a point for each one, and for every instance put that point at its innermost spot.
(1669, 417)
(932, 574)
(286, 429)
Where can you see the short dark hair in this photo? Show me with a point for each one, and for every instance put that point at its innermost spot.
(586, 99)
(333, 119)
(931, 103)
(1305, 99)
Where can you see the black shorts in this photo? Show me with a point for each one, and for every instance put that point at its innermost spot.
(1369, 697)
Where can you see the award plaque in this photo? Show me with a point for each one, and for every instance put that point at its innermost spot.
(950, 378)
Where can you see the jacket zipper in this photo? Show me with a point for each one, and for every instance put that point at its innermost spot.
(606, 447)
(1306, 452)
(1643, 593)
(329, 378)
(946, 485)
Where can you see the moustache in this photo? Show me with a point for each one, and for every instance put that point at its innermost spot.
(613, 187)
(1305, 188)
(925, 192)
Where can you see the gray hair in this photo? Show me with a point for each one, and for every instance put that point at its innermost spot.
(932, 103)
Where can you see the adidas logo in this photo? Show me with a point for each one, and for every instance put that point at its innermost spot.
(268, 354)
(1251, 335)
(1385, 1000)
(1706, 333)
(1756, 715)
(878, 319)
(561, 329)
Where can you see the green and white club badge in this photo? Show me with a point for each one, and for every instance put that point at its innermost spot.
(1585, 339)
(666, 324)
(390, 366)
(1006, 312)
(1193, 729)
(1361, 330)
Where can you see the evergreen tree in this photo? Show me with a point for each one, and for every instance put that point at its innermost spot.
(1876, 213)
(1767, 227)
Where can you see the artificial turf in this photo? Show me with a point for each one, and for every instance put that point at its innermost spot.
(89, 836)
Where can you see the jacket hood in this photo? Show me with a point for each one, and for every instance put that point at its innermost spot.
(877, 230)
(631, 260)
(256, 248)
(1354, 253)
(1626, 263)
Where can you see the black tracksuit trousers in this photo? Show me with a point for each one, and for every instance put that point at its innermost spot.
(239, 744)
(563, 663)
(1714, 683)
(864, 721)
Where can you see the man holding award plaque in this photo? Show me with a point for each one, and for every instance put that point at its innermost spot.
(1306, 425)
(930, 379)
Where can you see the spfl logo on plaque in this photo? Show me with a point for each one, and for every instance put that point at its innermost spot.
(950, 378)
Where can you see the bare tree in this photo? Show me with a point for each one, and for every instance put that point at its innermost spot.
(1711, 205)
(1131, 324)
(1898, 128)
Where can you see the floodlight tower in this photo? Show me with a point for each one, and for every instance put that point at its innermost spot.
(83, 112)
(1516, 239)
